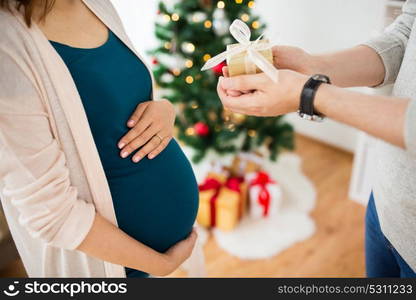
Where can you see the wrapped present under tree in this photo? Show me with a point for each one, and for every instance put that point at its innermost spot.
(265, 195)
(223, 201)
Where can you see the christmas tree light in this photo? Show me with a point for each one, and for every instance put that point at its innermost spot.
(190, 33)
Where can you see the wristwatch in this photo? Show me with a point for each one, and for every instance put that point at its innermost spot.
(306, 108)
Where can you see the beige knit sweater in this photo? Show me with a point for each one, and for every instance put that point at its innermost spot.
(51, 179)
(395, 169)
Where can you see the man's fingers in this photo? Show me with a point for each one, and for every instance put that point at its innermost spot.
(225, 72)
(224, 96)
(220, 90)
(137, 114)
(245, 82)
(163, 144)
(242, 104)
(233, 93)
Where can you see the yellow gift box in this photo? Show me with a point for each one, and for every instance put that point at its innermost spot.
(246, 57)
(222, 204)
(240, 63)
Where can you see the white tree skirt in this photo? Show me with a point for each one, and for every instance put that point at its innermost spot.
(266, 238)
(255, 239)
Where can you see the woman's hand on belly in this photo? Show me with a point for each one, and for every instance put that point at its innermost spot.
(151, 127)
(177, 254)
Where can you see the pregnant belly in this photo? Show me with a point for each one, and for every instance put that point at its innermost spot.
(156, 201)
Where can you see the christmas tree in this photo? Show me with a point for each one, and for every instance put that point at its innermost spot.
(190, 33)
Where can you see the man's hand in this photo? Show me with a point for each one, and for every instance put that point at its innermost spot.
(296, 59)
(257, 95)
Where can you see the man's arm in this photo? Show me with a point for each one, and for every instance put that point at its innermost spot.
(377, 62)
(358, 66)
(389, 118)
(381, 116)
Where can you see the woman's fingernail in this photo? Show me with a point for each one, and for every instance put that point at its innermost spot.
(151, 156)
(136, 159)
(124, 154)
(121, 145)
(130, 123)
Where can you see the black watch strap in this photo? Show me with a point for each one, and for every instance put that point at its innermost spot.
(306, 106)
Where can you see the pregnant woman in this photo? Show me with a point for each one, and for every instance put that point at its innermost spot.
(90, 180)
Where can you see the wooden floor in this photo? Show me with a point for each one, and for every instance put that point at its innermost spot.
(336, 249)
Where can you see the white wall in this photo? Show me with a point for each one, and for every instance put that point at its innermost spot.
(316, 25)
(322, 25)
(139, 19)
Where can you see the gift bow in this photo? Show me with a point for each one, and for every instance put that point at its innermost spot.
(210, 184)
(261, 180)
(241, 32)
(234, 184)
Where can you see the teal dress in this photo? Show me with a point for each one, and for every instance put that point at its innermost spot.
(155, 201)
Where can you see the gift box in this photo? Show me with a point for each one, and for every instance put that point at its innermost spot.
(241, 63)
(219, 171)
(222, 204)
(246, 57)
(245, 163)
(231, 203)
(208, 192)
(265, 195)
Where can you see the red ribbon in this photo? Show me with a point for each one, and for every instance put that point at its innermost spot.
(263, 199)
(211, 184)
(234, 184)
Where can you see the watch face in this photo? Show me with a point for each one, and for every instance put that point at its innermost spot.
(321, 77)
(315, 118)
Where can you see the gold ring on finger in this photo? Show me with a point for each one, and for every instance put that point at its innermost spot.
(161, 139)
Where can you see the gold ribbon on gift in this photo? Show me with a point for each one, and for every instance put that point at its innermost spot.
(241, 32)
